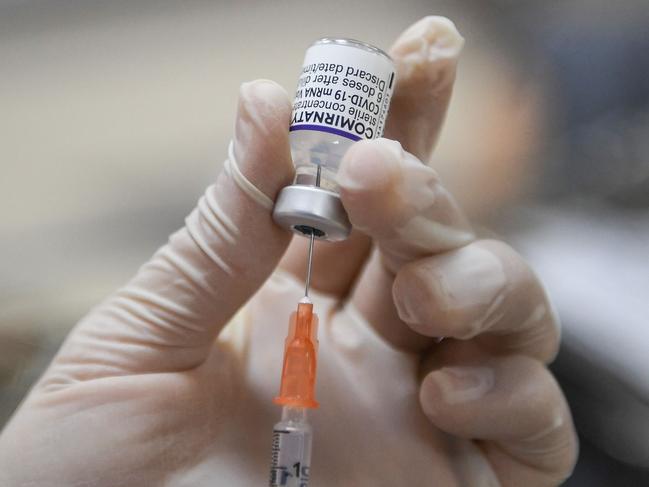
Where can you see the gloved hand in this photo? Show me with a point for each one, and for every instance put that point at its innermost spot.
(150, 389)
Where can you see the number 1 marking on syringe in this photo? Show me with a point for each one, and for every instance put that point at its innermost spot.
(284, 472)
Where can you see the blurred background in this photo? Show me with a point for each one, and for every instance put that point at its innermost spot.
(114, 116)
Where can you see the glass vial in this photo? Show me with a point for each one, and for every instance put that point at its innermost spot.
(343, 95)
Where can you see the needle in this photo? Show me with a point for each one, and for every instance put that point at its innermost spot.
(311, 242)
(308, 265)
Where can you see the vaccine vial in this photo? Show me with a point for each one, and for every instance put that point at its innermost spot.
(342, 96)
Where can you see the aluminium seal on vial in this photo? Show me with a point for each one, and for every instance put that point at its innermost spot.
(343, 95)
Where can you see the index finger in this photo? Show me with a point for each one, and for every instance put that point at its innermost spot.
(426, 56)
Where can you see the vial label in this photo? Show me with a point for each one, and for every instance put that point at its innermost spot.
(343, 90)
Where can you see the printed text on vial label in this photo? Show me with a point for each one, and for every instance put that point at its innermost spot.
(348, 99)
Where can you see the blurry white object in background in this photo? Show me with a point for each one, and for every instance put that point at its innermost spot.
(595, 265)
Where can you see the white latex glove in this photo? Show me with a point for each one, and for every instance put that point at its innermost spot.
(141, 394)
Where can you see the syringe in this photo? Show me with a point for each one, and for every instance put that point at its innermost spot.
(291, 451)
(312, 207)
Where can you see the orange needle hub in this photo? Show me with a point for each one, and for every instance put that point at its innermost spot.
(300, 359)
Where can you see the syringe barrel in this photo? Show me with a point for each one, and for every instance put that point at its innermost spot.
(291, 451)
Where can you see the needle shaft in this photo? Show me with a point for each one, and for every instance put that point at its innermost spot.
(318, 175)
(311, 242)
(308, 265)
